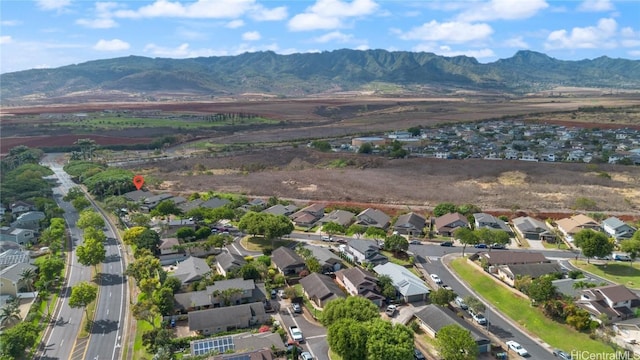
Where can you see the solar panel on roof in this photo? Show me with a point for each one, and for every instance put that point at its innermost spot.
(220, 345)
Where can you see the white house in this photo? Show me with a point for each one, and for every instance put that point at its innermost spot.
(617, 228)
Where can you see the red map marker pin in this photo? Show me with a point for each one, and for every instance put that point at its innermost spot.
(138, 181)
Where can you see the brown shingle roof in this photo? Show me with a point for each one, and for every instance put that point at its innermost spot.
(513, 257)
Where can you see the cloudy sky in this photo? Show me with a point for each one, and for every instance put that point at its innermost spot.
(53, 33)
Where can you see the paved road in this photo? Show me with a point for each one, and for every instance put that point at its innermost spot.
(315, 336)
(60, 337)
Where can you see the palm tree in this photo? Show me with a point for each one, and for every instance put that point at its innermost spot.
(10, 313)
(28, 276)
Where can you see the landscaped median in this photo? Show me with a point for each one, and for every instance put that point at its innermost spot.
(518, 308)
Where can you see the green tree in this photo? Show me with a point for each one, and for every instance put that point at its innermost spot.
(541, 289)
(28, 277)
(348, 338)
(10, 313)
(313, 265)
(444, 208)
(375, 233)
(142, 238)
(356, 229)
(593, 243)
(16, 340)
(366, 148)
(144, 267)
(156, 339)
(396, 244)
(474, 304)
(387, 341)
(90, 218)
(163, 299)
(91, 253)
(386, 287)
(249, 271)
(80, 203)
(82, 295)
(146, 310)
(455, 343)
(186, 233)
(442, 296)
(166, 207)
(353, 307)
(50, 268)
(414, 131)
(332, 227)
(139, 219)
(631, 247)
(172, 283)
(466, 237)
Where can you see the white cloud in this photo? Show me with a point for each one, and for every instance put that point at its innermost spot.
(516, 42)
(99, 23)
(335, 36)
(204, 9)
(502, 10)
(234, 24)
(634, 53)
(111, 45)
(329, 14)
(628, 32)
(251, 36)
(182, 51)
(260, 13)
(5, 39)
(595, 5)
(10, 22)
(630, 42)
(457, 32)
(362, 47)
(589, 37)
(52, 4)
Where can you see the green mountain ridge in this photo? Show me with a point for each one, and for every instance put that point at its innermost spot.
(304, 74)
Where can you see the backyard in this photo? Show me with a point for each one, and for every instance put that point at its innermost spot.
(617, 272)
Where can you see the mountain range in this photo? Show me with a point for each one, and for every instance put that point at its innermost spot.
(306, 74)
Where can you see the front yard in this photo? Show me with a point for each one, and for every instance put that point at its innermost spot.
(254, 243)
(518, 308)
(617, 272)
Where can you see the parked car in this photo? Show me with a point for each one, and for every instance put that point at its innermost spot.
(417, 354)
(306, 356)
(447, 287)
(480, 246)
(326, 238)
(512, 345)
(620, 257)
(561, 355)
(436, 279)
(281, 294)
(480, 319)
(498, 246)
(274, 294)
(608, 257)
(446, 243)
(296, 308)
(391, 310)
(460, 302)
(415, 242)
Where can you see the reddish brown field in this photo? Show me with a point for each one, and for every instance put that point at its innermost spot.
(66, 140)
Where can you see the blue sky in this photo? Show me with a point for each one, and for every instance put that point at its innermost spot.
(53, 33)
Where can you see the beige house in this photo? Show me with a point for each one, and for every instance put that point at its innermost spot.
(572, 225)
(11, 279)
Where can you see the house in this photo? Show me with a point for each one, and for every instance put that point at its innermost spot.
(533, 229)
(222, 293)
(509, 273)
(280, 209)
(495, 258)
(410, 287)
(10, 256)
(255, 205)
(20, 207)
(229, 318)
(483, 220)
(617, 302)
(329, 261)
(308, 216)
(287, 261)
(192, 269)
(618, 229)
(432, 318)
(17, 235)
(226, 262)
(11, 282)
(244, 346)
(572, 225)
(568, 287)
(373, 218)
(190, 205)
(171, 227)
(340, 217)
(359, 282)
(29, 220)
(446, 224)
(363, 251)
(215, 203)
(138, 195)
(321, 289)
(169, 251)
(151, 202)
(411, 224)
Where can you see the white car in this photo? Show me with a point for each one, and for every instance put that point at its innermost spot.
(306, 356)
(512, 345)
(436, 279)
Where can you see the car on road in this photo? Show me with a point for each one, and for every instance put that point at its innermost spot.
(447, 287)
(460, 302)
(498, 246)
(514, 346)
(415, 242)
(561, 355)
(306, 356)
(296, 308)
(447, 243)
(417, 354)
(326, 238)
(436, 279)
(479, 318)
(480, 246)
(619, 257)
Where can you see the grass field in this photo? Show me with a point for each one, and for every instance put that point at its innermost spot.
(620, 273)
(119, 123)
(259, 244)
(519, 309)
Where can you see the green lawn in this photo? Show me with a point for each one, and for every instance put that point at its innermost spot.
(259, 244)
(118, 123)
(518, 308)
(139, 351)
(618, 272)
(559, 245)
